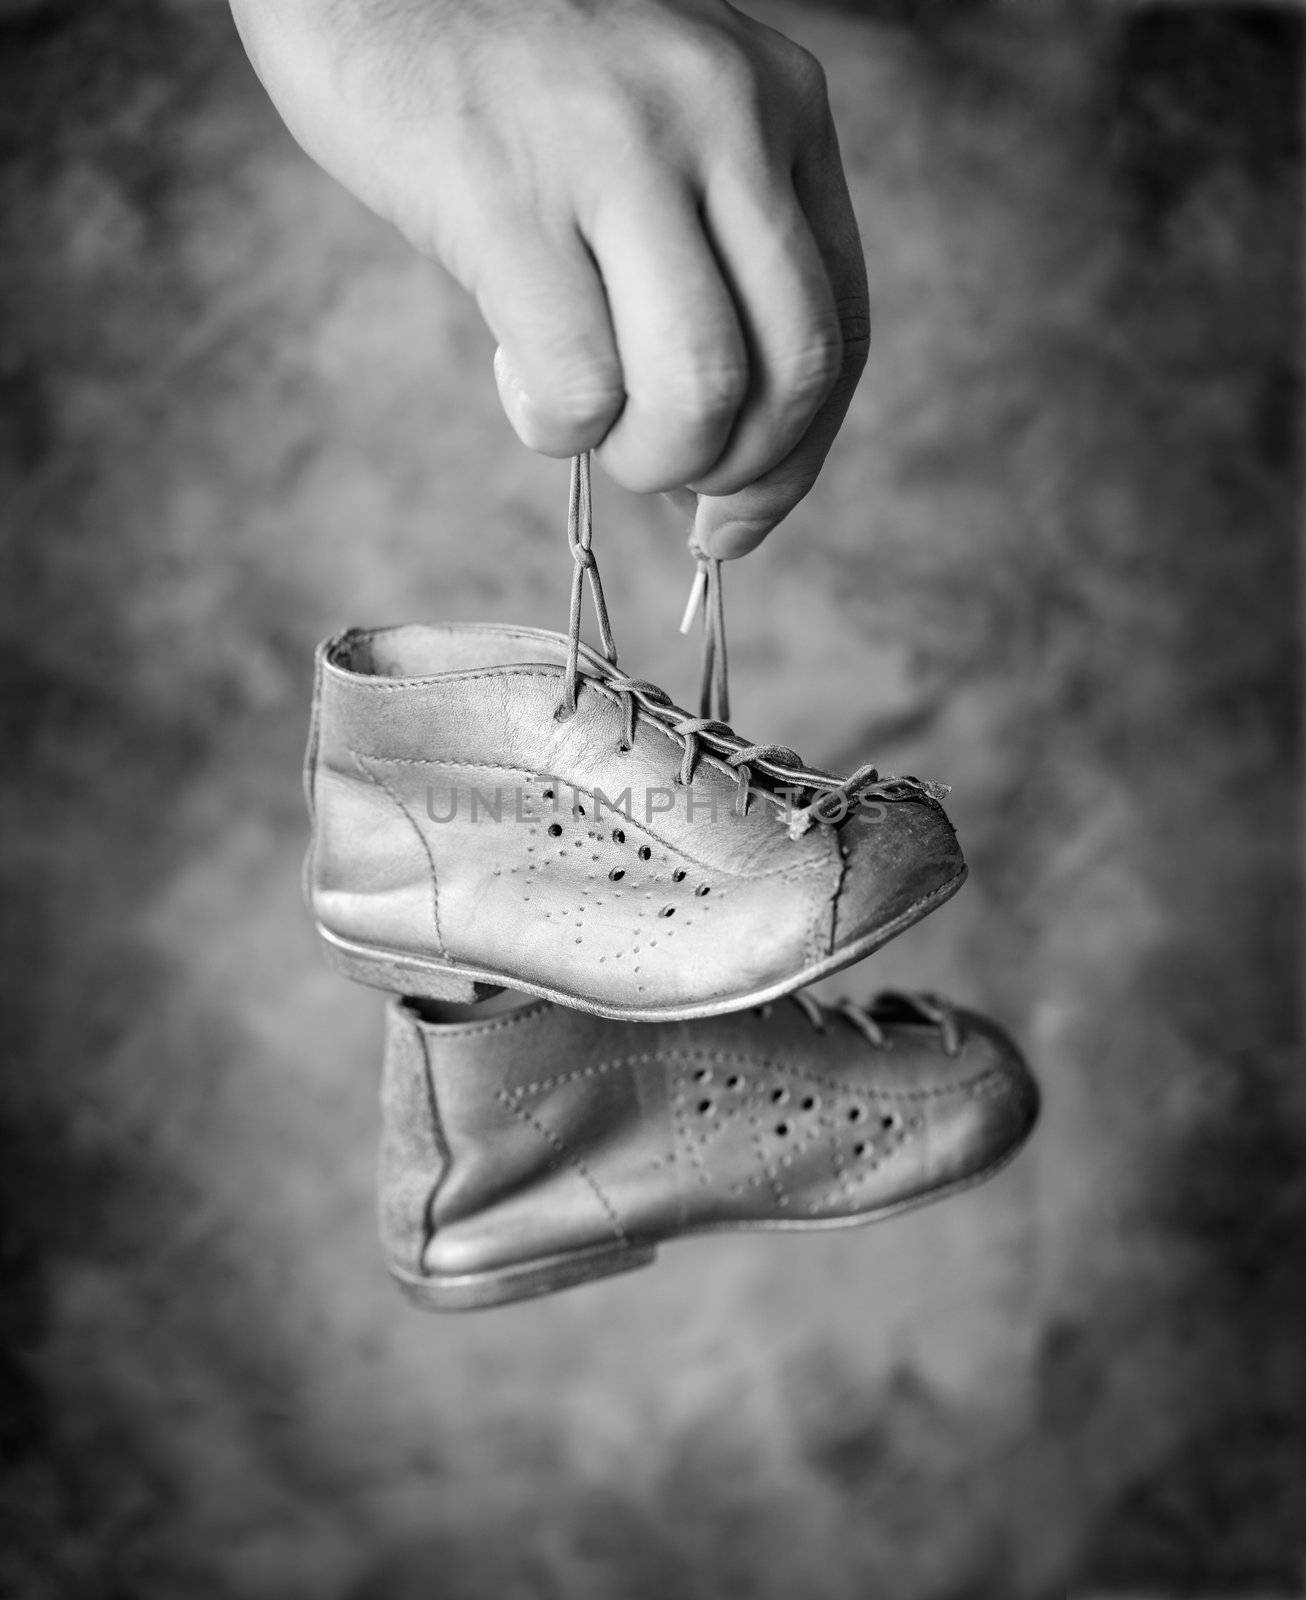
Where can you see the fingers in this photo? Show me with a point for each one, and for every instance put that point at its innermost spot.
(781, 289)
(731, 525)
(708, 330)
(647, 361)
(557, 368)
(683, 354)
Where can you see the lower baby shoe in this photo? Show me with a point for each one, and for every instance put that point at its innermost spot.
(533, 1150)
(504, 807)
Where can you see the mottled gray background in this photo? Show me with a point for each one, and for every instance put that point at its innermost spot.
(1053, 560)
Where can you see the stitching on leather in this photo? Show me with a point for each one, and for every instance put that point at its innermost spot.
(357, 680)
(865, 1169)
(359, 761)
(983, 1083)
(796, 1143)
(457, 761)
(429, 1229)
(683, 1135)
(539, 1085)
(795, 870)
(744, 1107)
(462, 1030)
(511, 1103)
(777, 1189)
(839, 1181)
(771, 1173)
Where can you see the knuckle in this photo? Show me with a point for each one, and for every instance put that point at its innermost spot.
(707, 391)
(807, 77)
(733, 72)
(725, 74)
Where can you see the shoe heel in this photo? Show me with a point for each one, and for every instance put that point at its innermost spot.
(400, 974)
(479, 1291)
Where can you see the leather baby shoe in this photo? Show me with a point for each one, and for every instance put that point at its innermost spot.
(503, 806)
(529, 1151)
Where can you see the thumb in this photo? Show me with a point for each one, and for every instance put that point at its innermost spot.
(726, 526)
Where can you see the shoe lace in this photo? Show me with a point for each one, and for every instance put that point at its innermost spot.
(890, 1005)
(772, 770)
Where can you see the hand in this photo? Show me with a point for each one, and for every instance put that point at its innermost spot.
(647, 201)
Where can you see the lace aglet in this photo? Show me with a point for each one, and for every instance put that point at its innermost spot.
(697, 590)
(799, 823)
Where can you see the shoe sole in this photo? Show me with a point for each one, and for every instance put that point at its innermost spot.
(482, 1291)
(429, 978)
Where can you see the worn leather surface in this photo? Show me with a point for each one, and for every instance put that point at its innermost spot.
(668, 898)
(549, 1130)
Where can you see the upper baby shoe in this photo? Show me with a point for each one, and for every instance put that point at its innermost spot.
(526, 1152)
(504, 806)
(483, 816)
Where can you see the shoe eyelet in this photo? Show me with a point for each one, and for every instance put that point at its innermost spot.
(779, 1096)
(702, 1075)
(855, 1114)
(782, 1130)
(678, 876)
(859, 1149)
(618, 836)
(889, 1120)
(667, 911)
(617, 874)
(704, 1108)
(555, 830)
(644, 852)
(548, 794)
(733, 1081)
(702, 889)
(809, 1102)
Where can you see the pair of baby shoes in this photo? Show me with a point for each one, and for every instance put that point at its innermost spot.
(504, 808)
